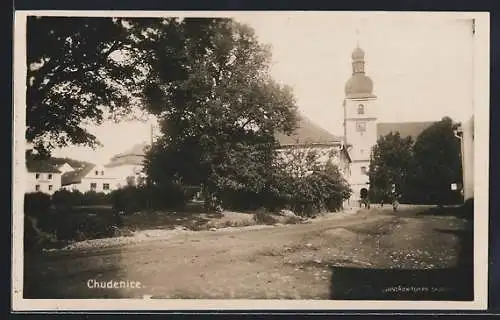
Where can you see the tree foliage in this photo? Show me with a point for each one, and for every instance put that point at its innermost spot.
(391, 163)
(83, 70)
(422, 170)
(220, 116)
(307, 182)
(438, 163)
(77, 67)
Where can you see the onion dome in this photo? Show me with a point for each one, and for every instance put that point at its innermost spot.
(359, 85)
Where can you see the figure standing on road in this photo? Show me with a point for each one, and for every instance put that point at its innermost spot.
(395, 202)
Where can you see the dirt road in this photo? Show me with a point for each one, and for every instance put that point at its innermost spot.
(326, 259)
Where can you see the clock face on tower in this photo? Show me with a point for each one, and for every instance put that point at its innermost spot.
(361, 126)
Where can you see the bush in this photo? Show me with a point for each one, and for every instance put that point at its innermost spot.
(132, 199)
(37, 203)
(243, 200)
(81, 224)
(323, 190)
(65, 198)
(95, 198)
(35, 238)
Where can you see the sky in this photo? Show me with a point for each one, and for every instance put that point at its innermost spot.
(421, 67)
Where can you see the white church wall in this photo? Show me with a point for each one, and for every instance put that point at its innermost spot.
(361, 127)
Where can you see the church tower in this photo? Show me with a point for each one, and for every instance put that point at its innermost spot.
(360, 123)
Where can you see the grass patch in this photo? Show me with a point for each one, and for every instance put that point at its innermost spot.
(163, 220)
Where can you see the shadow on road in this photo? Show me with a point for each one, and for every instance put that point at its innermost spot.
(449, 284)
(65, 277)
(446, 284)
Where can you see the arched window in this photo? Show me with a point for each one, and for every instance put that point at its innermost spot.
(361, 109)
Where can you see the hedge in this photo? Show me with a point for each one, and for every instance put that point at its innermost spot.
(37, 203)
(76, 198)
(321, 191)
(132, 199)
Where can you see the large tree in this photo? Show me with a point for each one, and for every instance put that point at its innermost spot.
(219, 122)
(83, 70)
(74, 71)
(391, 163)
(438, 164)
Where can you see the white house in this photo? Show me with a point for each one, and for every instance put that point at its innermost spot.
(42, 176)
(128, 165)
(90, 178)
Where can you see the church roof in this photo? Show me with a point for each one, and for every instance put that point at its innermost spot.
(359, 84)
(308, 132)
(358, 54)
(405, 129)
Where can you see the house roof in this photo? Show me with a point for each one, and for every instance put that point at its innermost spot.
(133, 156)
(42, 166)
(405, 129)
(63, 164)
(308, 133)
(76, 176)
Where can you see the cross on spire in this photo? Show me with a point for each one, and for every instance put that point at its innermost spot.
(357, 37)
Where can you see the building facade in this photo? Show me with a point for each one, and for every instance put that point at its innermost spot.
(90, 178)
(128, 167)
(360, 123)
(42, 177)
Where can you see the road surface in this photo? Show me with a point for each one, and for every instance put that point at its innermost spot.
(357, 256)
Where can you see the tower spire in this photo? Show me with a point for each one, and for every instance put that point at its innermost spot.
(357, 37)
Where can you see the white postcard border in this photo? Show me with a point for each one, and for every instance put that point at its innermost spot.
(481, 186)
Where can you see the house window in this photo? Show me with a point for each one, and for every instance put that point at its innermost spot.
(105, 186)
(37, 187)
(102, 173)
(50, 187)
(93, 186)
(37, 176)
(50, 176)
(360, 126)
(363, 170)
(361, 109)
(97, 173)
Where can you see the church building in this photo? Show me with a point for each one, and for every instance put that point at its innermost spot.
(360, 123)
(361, 126)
